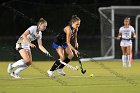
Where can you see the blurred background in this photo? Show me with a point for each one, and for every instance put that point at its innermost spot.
(17, 15)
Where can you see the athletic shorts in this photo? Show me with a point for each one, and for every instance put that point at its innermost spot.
(23, 45)
(125, 43)
(55, 46)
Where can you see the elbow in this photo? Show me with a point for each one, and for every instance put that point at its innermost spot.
(68, 44)
(23, 36)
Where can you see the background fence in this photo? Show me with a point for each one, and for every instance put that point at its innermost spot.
(13, 24)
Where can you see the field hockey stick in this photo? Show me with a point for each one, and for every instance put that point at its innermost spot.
(67, 65)
(110, 37)
(83, 71)
(118, 38)
(81, 66)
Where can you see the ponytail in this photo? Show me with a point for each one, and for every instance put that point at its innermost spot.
(74, 19)
(41, 20)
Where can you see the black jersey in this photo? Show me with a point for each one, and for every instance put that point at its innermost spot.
(61, 37)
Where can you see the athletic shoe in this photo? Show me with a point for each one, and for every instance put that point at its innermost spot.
(9, 69)
(51, 74)
(129, 64)
(15, 75)
(124, 65)
(60, 71)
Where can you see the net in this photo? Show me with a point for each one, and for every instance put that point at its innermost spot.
(111, 19)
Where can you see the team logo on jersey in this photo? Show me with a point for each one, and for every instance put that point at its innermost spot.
(37, 36)
(34, 36)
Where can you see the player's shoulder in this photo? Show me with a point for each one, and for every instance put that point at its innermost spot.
(122, 27)
(67, 28)
(33, 27)
(131, 27)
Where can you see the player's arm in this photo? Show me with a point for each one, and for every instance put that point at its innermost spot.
(119, 36)
(68, 36)
(24, 36)
(41, 47)
(75, 39)
(134, 34)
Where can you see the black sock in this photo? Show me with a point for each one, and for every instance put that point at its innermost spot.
(55, 65)
(67, 60)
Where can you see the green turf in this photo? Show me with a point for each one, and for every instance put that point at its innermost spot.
(109, 77)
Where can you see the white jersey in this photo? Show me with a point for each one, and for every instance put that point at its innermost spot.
(33, 35)
(126, 32)
(126, 35)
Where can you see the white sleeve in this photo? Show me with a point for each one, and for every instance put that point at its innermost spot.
(31, 29)
(132, 29)
(120, 30)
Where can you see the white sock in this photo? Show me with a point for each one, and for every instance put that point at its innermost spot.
(131, 58)
(18, 63)
(128, 59)
(21, 68)
(124, 60)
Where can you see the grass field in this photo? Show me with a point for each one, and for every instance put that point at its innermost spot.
(109, 77)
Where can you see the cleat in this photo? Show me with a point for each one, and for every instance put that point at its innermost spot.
(124, 65)
(129, 64)
(51, 74)
(15, 75)
(9, 69)
(60, 71)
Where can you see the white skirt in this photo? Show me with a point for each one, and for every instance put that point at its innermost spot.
(125, 43)
(23, 45)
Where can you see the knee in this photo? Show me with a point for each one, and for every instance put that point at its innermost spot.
(124, 53)
(70, 56)
(62, 58)
(128, 53)
(28, 62)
